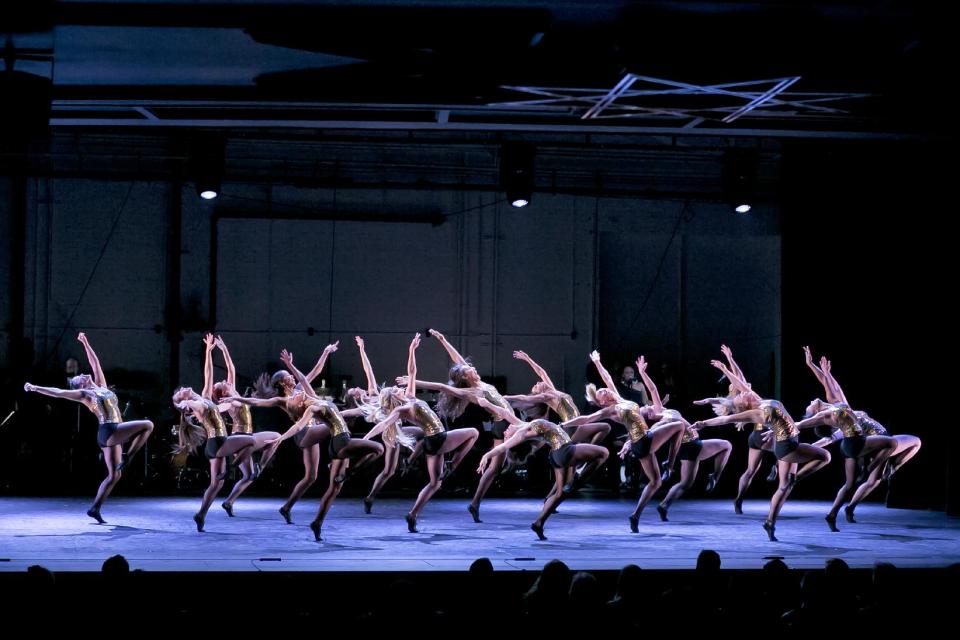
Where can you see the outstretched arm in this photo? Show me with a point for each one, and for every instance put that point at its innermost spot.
(94, 361)
(367, 367)
(67, 394)
(264, 403)
(231, 370)
(392, 417)
(822, 417)
(438, 386)
(497, 410)
(648, 382)
(208, 366)
(317, 368)
(287, 358)
(522, 434)
(304, 420)
(537, 369)
(604, 374)
(451, 350)
(753, 415)
(602, 414)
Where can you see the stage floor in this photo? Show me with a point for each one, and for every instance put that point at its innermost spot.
(158, 534)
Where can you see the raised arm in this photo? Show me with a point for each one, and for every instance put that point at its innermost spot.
(207, 366)
(367, 367)
(451, 350)
(604, 374)
(728, 353)
(94, 361)
(287, 358)
(738, 383)
(67, 394)
(834, 392)
(317, 368)
(231, 370)
(412, 366)
(537, 369)
(648, 383)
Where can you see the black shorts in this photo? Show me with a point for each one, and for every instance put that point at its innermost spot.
(641, 448)
(338, 443)
(560, 458)
(691, 450)
(786, 447)
(499, 429)
(106, 430)
(213, 445)
(755, 439)
(852, 446)
(433, 444)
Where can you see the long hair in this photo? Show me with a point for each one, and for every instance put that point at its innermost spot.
(190, 435)
(267, 386)
(451, 407)
(591, 395)
(374, 412)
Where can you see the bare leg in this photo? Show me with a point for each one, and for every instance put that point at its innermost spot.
(813, 458)
(136, 432)
(311, 463)
(650, 468)
(333, 490)
(754, 458)
(850, 474)
(391, 456)
(112, 455)
(489, 474)
(688, 473)
(217, 465)
(592, 432)
(434, 467)
(556, 497)
(359, 450)
(246, 479)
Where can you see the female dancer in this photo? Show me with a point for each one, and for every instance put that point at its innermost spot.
(242, 424)
(565, 456)
(411, 435)
(894, 451)
(395, 404)
(644, 441)
(757, 445)
(343, 446)
(465, 387)
(212, 429)
(788, 449)
(282, 390)
(693, 451)
(93, 393)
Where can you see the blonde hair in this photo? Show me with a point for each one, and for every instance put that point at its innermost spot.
(452, 407)
(592, 394)
(386, 401)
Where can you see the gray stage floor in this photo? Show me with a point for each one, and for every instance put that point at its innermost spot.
(158, 534)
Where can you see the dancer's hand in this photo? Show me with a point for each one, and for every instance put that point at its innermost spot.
(436, 334)
(359, 341)
(208, 340)
(595, 355)
(719, 365)
(641, 364)
(82, 338)
(807, 356)
(403, 380)
(330, 348)
(218, 342)
(415, 342)
(825, 364)
(725, 350)
(624, 450)
(28, 387)
(286, 358)
(484, 461)
(703, 402)
(521, 355)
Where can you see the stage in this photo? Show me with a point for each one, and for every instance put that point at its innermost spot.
(158, 534)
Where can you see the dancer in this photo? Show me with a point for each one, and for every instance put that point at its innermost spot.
(242, 424)
(93, 393)
(395, 404)
(565, 456)
(211, 430)
(644, 441)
